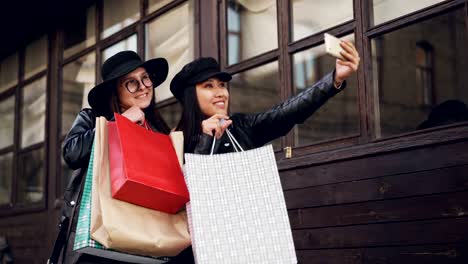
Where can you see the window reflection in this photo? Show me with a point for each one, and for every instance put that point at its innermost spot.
(33, 113)
(79, 77)
(310, 17)
(6, 167)
(154, 5)
(385, 10)
(7, 119)
(421, 68)
(119, 14)
(339, 116)
(256, 91)
(126, 44)
(80, 33)
(252, 28)
(31, 178)
(9, 72)
(36, 57)
(171, 36)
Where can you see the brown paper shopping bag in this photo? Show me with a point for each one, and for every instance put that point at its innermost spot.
(127, 227)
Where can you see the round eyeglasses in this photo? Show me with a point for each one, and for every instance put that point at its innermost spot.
(133, 85)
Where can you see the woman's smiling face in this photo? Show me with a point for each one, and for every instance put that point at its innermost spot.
(213, 97)
(142, 95)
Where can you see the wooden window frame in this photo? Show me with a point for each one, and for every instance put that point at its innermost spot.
(14, 207)
(137, 28)
(365, 141)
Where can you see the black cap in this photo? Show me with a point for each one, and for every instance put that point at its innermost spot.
(195, 72)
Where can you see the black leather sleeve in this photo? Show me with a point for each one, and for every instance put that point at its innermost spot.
(79, 141)
(204, 145)
(278, 121)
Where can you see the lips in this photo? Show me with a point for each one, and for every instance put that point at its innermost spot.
(141, 96)
(220, 104)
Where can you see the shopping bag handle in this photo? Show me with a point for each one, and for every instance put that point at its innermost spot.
(146, 125)
(235, 144)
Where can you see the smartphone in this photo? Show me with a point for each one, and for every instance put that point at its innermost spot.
(332, 46)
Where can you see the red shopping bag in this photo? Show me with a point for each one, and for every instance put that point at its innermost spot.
(144, 169)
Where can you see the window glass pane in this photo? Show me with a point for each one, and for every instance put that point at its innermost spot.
(7, 119)
(8, 72)
(126, 44)
(171, 36)
(33, 113)
(256, 91)
(419, 72)
(118, 14)
(252, 28)
(154, 5)
(32, 176)
(79, 77)
(6, 167)
(80, 33)
(310, 17)
(339, 116)
(385, 10)
(171, 114)
(35, 57)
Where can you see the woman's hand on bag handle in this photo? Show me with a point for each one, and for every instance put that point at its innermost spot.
(135, 114)
(213, 126)
(344, 68)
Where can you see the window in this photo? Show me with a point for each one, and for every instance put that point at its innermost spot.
(126, 44)
(424, 72)
(35, 57)
(80, 32)
(421, 75)
(154, 5)
(171, 36)
(8, 72)
(310, 17)
(255, 91)
(79, 77)
(339, 117)
(275, 55)
(256, 22)
(385, 10)
(118, 14)
(22, 155)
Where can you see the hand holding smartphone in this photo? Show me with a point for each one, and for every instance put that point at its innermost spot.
(332, 46)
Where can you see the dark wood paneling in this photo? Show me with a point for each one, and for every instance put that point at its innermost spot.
(414, 208)
(418, 139)
(377, 166)
(428, 254)
(403, 185)
(390, 234)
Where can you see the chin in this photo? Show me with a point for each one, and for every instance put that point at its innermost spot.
(144, 105)
(221, 112)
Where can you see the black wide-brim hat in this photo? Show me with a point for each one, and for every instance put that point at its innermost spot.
(196, 72)
(117, 66)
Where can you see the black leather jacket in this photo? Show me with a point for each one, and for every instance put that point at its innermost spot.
(255, 130)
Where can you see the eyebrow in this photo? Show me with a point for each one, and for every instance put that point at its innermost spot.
(128, 78)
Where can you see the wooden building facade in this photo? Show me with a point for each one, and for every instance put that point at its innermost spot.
(377, 175)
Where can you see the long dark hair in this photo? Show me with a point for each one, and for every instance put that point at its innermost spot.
(152, 114)
(191, 119)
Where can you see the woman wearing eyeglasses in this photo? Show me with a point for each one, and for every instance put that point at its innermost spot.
(128, 89)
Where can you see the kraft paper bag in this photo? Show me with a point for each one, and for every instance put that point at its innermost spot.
(126, 227)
